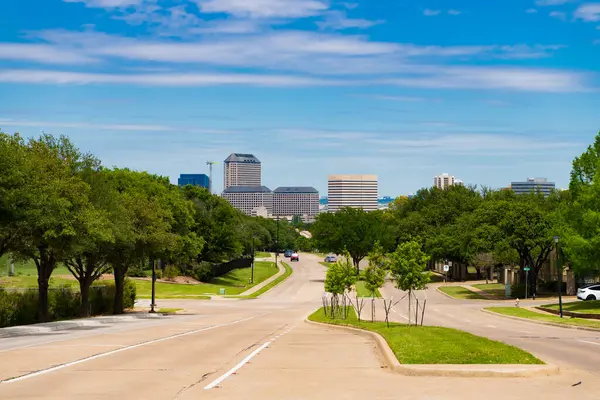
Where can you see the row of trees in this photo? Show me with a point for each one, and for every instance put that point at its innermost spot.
(483, 227)
(60, 205)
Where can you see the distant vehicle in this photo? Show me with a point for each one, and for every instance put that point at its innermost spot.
(294, 257)
(330, 259)
(288, 253)
(591, 292)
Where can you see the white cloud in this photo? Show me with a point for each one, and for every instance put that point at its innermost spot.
(339, 20)
(264, 8)
(481, 78)
(82, 125)
(551, 2)
(522, 79)
(559, 15)
(430, 13)
(350, 5)
(454, 12)
(42, 53)
(588, 12)
(171, 79)
(230, 26)
(107, 3)
(531, 11)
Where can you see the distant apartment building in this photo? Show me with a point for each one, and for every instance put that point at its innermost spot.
(296, 201)
(444, 181)
(242, 170)
(356, 191)
(251, 200)
(201, 180)
(533, 185)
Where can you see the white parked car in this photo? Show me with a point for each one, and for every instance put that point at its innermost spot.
(590, 292)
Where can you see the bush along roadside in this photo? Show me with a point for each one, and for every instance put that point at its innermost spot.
(20, 307)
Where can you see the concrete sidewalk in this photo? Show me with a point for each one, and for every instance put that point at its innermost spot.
(266, 282)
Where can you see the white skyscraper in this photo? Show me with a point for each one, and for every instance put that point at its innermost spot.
(444, 181)
(356, 191)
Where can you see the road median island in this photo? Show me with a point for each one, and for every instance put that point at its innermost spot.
(437, 351)
(543, 318)
(460, 293)
(286, 274)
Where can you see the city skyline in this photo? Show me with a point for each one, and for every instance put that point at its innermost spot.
(311, 86)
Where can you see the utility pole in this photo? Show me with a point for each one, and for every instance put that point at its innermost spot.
(153, 286)
(210, 178)
(252, 277)
(559, 269)
(277, 244)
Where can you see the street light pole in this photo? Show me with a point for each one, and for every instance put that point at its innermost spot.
(559, 268)
(277, 243)
(252, 278)
(153, 286)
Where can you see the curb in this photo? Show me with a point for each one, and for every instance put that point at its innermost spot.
(581, 328)
(448, 370)
(281, 271)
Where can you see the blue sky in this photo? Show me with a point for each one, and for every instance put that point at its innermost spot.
(490, 91)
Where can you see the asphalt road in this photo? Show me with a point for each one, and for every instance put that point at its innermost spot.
(242, 349)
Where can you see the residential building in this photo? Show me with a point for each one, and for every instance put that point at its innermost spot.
(444, 181)
(292, 201)
(242, 170)
(533, 185)
(357, 191)
(250, 199)
(201, 180)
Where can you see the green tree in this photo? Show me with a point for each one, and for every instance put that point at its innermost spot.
(350, 229)
(407, 266)
(57, 209)
(585, 168)
(375, 273)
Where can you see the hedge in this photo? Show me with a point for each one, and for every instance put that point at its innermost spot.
(20, 307)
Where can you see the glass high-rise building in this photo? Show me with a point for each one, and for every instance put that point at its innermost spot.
(533, 185)
(201, 180)
(242, 170)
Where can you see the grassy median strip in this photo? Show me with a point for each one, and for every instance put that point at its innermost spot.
(262, 254)
(493, 289)
(266, 288)
(362, 291)
(169, 310)
(234, 282)
(459, 292)
(435, 345)
(536, 316)
(326, 264)
(584, 307)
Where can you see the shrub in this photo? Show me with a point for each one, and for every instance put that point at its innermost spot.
(518, 290)
(171, 272)
(159, 274)
(129, 293)
(136, 271)
(203, 271)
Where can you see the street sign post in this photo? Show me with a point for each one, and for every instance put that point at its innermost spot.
(446, 269)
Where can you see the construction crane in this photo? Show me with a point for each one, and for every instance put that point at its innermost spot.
(210, 180)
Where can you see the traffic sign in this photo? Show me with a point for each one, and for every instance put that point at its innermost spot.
(527, 269)
(446, 268)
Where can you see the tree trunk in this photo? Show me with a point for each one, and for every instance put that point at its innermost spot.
(409, 296)
(119, 272)
(43, 315)
(84, 289)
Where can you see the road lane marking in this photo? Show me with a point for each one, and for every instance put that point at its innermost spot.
(109, 353)
(526, 331)
(237, 367)
(587, 341)
(468, 321)
(450, 315)
(491, 326)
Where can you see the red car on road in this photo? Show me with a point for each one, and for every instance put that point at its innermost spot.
(295, 257)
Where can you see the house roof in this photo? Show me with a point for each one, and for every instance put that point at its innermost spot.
(247, 189)
(242, 158)
(296, 189)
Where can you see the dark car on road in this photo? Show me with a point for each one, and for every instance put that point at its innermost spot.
(288, 253)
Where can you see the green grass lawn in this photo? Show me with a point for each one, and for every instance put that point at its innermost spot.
(493, 289)
(27, 268)
(234, 282)
(436, 345)
(325, 264)
(524, 313)
(169, 310)
(362, 291)
(266, 288)
(584, 307)
(30, 281)
(262, 254)
(459, 292)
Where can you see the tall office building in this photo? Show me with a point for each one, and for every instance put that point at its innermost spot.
(533, 185)
(242, 170)
(251, 200)
(201, 180)
(444, 181)
(356, 191)
(296, 201)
